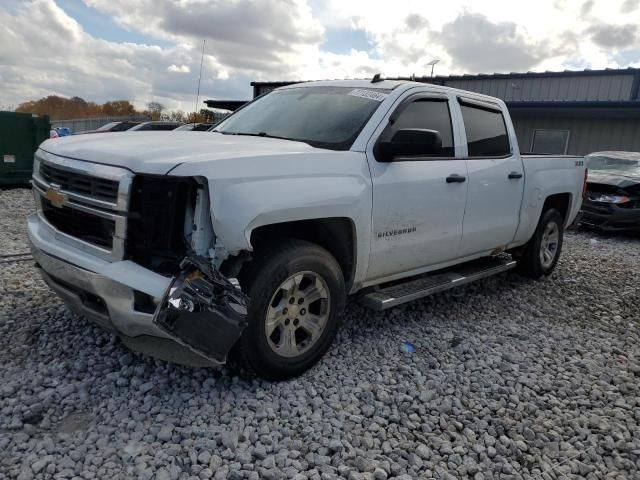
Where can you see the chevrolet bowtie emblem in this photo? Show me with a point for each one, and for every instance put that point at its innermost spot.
(55, 196)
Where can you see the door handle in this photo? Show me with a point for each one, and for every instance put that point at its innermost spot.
(515, 175)
(455, 178)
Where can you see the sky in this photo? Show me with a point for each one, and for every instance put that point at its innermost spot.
(150, 50)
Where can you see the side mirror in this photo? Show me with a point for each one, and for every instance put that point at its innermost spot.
(410, 142)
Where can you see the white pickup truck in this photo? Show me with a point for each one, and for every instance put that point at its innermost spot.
(243, 243)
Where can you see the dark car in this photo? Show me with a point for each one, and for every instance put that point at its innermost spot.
(155, 126)
(612, 201)
(195, 127)
(112, 127)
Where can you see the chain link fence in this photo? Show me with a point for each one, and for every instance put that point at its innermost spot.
(81, 124)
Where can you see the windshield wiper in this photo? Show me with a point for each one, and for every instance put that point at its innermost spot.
(266, 135)
(260, 134)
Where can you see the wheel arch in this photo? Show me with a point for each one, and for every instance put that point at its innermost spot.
(337, 235)
(559, 201)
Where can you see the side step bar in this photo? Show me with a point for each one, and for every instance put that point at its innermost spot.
(399, 293)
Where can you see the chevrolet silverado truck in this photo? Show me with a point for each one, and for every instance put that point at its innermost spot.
(243, 243)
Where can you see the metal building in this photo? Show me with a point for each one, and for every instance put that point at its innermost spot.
(574, 112)
(567, 112)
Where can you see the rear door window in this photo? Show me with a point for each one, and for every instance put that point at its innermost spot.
(486, 131)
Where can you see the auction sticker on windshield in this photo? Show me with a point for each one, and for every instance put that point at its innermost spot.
(370, 94)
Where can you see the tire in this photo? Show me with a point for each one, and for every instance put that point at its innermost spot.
(295, 269)
(534, 263)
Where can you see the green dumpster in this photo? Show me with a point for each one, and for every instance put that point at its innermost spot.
(20, 136)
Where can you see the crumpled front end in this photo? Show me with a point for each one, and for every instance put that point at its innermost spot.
(203, 310)
(612, 205)
(134, 254)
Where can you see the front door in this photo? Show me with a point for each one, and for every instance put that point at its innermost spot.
(417, 213)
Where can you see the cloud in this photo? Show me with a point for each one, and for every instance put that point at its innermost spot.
(416, 21)
(613, 36)
(31, 66)
(178, 69)
(44, 50)
(241, 34)
(586, 8)
(479, 45)
(629, 6)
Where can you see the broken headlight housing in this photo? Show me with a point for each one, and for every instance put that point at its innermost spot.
(608, 198)
(203, 310)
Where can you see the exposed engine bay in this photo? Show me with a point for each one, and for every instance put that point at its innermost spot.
(169, 231)
(160, 224)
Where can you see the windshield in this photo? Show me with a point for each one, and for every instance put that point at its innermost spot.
(106, 127)
(124, 126)
(326, 117)
(628, 164)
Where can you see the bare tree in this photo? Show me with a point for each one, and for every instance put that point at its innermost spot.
(155, 110)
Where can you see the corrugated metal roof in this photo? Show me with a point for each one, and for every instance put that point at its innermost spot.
(564, 73)
(546, 74)
(570, 85)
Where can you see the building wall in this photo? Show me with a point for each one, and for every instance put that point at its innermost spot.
(586, 135)
(552, 88)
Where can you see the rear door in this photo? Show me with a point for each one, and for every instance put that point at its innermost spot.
(495, 177)
(417, 214)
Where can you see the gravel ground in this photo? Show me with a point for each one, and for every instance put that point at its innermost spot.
(509, 379)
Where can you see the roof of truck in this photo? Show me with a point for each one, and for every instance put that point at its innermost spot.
(389, 85)
(384, 84)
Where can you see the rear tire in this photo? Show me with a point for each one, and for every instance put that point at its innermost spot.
(540, 255)
(297, 296)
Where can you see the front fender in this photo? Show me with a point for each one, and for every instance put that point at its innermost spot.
(239, 208)
(252, 192)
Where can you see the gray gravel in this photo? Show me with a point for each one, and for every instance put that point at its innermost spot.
(509, 379)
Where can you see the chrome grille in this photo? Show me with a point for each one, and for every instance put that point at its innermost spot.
(78, 224)
(86, 203)
(100, 188)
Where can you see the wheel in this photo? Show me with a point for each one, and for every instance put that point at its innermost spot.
(296, 296)
(541, 253)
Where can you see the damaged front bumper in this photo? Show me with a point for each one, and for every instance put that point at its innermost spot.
(203, 310)
(609, 217)
(110, 293)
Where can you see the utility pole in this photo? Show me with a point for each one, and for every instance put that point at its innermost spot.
(195, 112)
(433, 64)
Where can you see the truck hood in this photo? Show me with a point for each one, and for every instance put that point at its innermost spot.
(160, 152)
(615, 178)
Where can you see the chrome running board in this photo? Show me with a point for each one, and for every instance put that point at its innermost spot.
(399, 293)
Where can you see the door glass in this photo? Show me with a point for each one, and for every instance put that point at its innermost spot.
(550, 141)
(429, 115)
(486, 132)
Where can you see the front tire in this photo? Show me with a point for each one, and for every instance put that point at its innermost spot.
(542, 252)
(297, 295)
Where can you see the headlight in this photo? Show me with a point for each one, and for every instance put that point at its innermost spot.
(605, 198)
